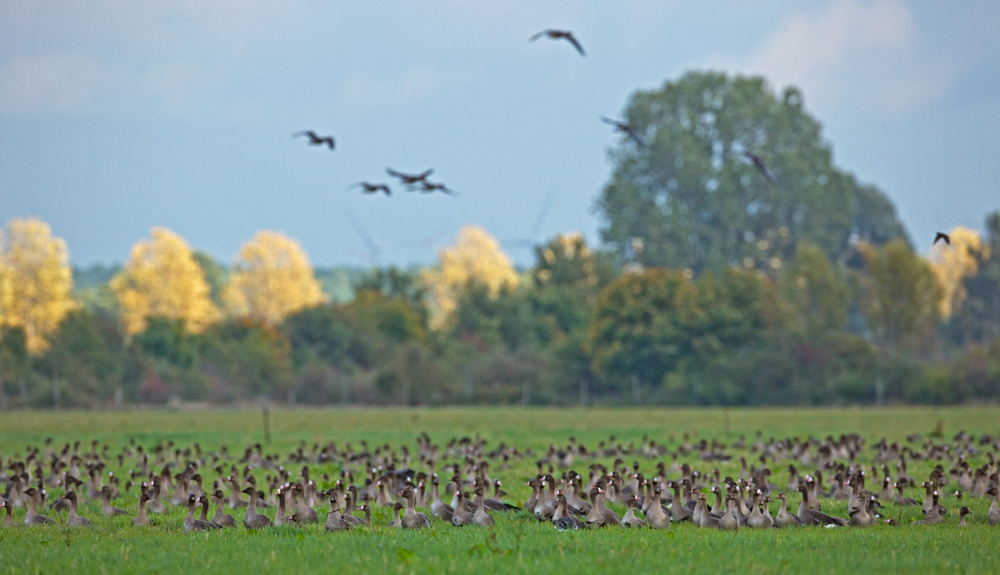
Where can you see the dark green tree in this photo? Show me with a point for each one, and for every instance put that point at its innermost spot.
(692, 199)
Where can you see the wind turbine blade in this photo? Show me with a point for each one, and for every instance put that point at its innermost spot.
(365, 236)
(543, 213)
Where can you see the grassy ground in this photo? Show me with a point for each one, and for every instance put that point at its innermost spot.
(518, 544)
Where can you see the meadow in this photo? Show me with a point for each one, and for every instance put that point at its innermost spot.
(518, 543)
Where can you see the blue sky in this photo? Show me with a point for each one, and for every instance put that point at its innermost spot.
(118, 116)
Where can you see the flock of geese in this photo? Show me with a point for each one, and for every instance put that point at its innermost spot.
(284, 490)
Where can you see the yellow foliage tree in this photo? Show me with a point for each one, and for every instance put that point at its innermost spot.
(5, 285)
(39, 282)
(271, 279)
(476, 258)
(162, 279)
(953, 263)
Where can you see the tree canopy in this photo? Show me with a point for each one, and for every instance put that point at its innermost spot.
(692, 199)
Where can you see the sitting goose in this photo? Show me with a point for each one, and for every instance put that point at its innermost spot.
(413, 519)
(562, 519)
(221, 518)
(32, 517)
(107, 509)
(480, 517)
(600, 515)
(303, 513)
(348, 513)
(253, 519)
(397, 522)
(142, 520)
(756, 519)
(809, 516)
(864, 516)
(439, 508)
(335, 521)
(900, 498)
(933, 517)
(74, 520)
(657, 518)
(192, 523)
(729, 521)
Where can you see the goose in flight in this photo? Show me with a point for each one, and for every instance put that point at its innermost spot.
(315, 139)
(560, 35)
(624, 128)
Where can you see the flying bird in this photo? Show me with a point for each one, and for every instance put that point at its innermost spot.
(407, 179)
(560, 35)
(940, 236)
(315, 139)
(757, 161)
(369, 188)
(428, 187)
(624, 128)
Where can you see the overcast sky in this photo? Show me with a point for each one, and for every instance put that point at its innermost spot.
(117, 115)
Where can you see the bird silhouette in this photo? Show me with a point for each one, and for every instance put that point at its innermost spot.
(940, 236)
(757, 161)
(407, 179)
(429, 187)
(560, 35)
(369, 188)
(315, 139)
(624, 128)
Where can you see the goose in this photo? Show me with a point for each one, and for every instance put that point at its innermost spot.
(629, 519)
(74, 520)
(335, 521)
(702, 517)
(221, 518)
(439, 508)
(303, 513)
(32, 517)
(756, 519)
(562, 519)
(481, 518)
(397, 522)
(961, 516)
(281, 516)
(413, 519)
(809, 516)
(107, 509)
(461, 516)
(543, 509)
(235, 501)
(784, 518)
(8, 518)
(864, 516)
(902, 500)
(348, 513)
(729, 521)
(496, 503)
(933, 517)
(657, 518)
(191, 523)
(560, 35)
(253, 519)
(142, 519)
(994, 513)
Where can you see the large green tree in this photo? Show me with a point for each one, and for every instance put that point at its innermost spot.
(692, 198)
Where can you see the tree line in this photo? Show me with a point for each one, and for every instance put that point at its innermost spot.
(713, 285)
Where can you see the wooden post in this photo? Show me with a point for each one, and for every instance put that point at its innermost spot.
(267, 426)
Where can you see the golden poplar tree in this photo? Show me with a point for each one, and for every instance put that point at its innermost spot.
(271, 279)
(5, 285)
(162, 279)
(476, 258)
(953, 263)
(39, 282)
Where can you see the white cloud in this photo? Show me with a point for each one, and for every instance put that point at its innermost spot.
(852, 53)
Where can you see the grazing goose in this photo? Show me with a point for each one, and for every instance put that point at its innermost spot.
(253, 519)
(335, 520)
(481, 518)
(142, 520)
(192, 523)
(221, 518)
(107, 509)
(32, 517)
(413, 519)
(74, 520)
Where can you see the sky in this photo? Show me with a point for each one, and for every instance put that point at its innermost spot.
(117, 116)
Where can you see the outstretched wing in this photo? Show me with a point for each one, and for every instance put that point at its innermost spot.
(572, 40)
(635, 136)
(329, 141)
(611, 122)
(309, 133)
(539, 35)
(423, 175)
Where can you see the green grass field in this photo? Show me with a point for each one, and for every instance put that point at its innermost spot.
(518, 543)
